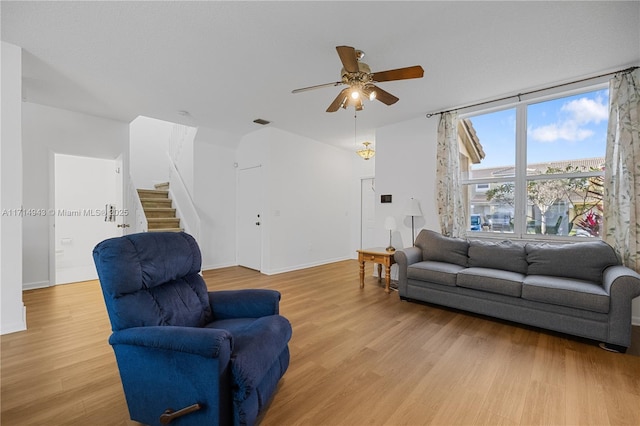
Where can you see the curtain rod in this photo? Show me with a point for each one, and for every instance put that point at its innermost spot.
(519, 95)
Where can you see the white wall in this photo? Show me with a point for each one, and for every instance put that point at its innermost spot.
(306, 217)
(406, 168)
(13, 313)
(148, 151)
(215, 197)
(47, 130)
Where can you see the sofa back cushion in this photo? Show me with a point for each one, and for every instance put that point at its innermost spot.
(583, 261)
(438, 248)
(505, 255)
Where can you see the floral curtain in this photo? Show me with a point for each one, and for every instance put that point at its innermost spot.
(622, 169)
(451, 211)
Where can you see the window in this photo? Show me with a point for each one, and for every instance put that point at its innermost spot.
(537, 168)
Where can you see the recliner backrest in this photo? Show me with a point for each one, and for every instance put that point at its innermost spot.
(152, 279)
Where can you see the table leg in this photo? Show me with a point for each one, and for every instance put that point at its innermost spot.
(379, 272)
(387, 279)
(362, 274)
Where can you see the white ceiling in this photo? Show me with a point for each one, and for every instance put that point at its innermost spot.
(228, 63)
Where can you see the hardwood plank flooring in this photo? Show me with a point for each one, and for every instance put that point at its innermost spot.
(358, 357)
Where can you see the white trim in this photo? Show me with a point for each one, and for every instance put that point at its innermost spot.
(16, 326)
(305, 266)
(36, 284)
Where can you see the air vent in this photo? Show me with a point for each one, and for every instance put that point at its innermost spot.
(261, 121)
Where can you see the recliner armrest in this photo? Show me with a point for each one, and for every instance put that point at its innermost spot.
(246, 303)
(206, 342)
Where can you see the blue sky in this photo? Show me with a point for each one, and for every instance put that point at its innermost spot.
(568, 128)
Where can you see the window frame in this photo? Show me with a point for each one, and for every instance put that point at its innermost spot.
(520, 178)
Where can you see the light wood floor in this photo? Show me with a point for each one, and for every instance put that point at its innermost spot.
(358, 357)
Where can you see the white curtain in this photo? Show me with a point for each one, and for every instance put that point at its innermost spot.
(451, 211)
(622, 169)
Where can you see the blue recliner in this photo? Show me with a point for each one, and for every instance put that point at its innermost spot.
(187, 356)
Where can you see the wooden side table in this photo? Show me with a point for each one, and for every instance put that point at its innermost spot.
(380, 256)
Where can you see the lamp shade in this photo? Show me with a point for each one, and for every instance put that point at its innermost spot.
(390, 223)
(413, 208)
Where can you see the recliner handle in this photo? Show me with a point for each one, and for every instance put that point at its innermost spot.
(169, 414)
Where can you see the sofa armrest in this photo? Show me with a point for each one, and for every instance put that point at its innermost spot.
(620, 281)
(407, 256)
(246, 303)
(404, 258)
(623, 285)
(206, 342)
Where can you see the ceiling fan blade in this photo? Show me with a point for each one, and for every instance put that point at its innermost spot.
(339, 101)
(348, 57)
(415, 71)
(304, 89)
(383, 96)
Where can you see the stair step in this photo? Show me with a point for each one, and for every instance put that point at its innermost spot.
(153, 193)
(165, 230)
(163, 222)
(159, 212)
(155, 203)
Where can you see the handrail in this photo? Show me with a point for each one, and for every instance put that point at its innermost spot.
(183, 202)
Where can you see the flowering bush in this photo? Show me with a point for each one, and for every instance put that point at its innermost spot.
(590, 222)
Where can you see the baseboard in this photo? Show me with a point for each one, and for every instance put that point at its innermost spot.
(218, 266)
(17, 325)
(305, 266)
(34, 285)
(635, 320)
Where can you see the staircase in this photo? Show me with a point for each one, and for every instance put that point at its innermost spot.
(157, 206)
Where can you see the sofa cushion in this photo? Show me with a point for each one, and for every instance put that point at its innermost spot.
(434, 272)
(438, 248)
(566, 292)
(582, 261)
(506, 255)
(492, 280)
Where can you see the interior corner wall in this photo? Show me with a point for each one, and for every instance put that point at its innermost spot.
(405, 169)
(47, 130)
(13, 312)
(361, 169)
(149, 144)
(215, 197)
(307, 190)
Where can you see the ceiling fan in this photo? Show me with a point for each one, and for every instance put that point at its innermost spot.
(361, 81)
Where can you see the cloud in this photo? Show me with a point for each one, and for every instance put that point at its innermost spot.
(573, 125)
(585, 110)
(568, 130)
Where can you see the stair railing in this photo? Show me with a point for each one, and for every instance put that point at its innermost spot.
(185, 207)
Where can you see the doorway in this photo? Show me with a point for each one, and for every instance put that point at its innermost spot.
(249, 218)
(88, 209)
(367, 212)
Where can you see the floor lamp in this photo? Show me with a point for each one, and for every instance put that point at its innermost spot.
(413, 210)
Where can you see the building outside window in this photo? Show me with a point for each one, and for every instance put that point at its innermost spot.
(537, 168)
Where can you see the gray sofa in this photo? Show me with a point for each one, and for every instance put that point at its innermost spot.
(575, 288)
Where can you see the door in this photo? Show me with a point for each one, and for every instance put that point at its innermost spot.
(88, 208)
(249, 214)
(367, 213)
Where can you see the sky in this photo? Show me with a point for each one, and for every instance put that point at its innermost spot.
(573, 127)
